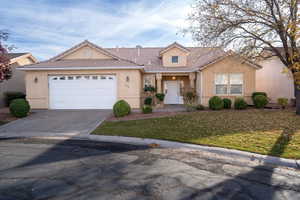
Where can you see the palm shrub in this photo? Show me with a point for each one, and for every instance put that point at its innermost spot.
(283, 102)
(227, 103)
(260, 101)
(240, 103)
(160, 96)
(121, 108)
(216, 103)
(19, 108)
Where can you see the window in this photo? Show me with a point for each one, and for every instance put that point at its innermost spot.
(174, 59)
(229, 84)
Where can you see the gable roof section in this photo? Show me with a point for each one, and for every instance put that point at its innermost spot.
(83, 44)
(174, 45)
(14, 57)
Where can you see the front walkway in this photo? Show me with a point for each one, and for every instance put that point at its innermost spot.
(45, 123)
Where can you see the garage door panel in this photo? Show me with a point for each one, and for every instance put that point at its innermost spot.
(82, 92)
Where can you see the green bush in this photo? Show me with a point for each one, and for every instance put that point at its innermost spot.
(149, 88)
(200, 107)
(240, 103)
(121, 108)
(227, 103)
(9, 96)
(147, 109)
(283, 102)
(260, 101)
(148, 101)
(19, 108)
(258, 93)
(216, 103)
(160, 96)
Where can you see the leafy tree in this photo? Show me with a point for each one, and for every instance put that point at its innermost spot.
(5, 71)
(254, 29)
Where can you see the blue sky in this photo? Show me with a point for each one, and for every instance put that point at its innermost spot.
(48, 27)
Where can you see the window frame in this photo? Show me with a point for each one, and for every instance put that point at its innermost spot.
(229, 85)
(177, 57)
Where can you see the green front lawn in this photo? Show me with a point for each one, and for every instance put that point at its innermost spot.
(271, 132)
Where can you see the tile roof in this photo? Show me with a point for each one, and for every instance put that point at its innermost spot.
(15, 55)
(150, 57)
(76, 63)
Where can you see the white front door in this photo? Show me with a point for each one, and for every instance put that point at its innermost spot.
(172, 91)
(82, 91)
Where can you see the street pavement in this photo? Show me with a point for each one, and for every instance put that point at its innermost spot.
(77, 169)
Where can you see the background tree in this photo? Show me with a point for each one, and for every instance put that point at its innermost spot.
(254, 29)
(5, 71)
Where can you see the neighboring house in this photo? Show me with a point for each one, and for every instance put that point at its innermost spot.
(90, 77)
(275, 79)
(16, 82)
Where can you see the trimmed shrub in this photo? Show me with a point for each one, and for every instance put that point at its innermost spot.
(9, 96)
(160, 96)
(258, 93)
(121, 108)
(148, 101)
(19, 108)
(216, 103)
(260, 101)
(240, 103)
(147, 109)
(227, 103)
(283, 102)
(200, 107)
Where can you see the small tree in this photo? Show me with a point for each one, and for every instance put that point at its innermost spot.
(251, 28)
(5, 71)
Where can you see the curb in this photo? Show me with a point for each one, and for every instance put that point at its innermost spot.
(216, 150)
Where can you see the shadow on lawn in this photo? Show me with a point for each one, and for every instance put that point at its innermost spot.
(261, 174)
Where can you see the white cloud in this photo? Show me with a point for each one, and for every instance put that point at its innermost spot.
(46, 29)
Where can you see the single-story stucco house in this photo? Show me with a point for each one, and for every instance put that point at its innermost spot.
(17, 82)
(90, 77)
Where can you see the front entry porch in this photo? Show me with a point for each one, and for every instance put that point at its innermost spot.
(174, 86)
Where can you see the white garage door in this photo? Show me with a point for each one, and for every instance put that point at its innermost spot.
(82, 91)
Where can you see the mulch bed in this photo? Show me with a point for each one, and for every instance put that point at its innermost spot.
(135, 116)
(5, 116)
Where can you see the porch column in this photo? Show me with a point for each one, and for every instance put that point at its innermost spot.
(198, 87)
(158, 83)
(192, 80)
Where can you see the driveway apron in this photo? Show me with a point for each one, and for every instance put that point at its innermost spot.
(55, 123)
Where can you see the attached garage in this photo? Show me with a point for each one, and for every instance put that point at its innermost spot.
(82, 91)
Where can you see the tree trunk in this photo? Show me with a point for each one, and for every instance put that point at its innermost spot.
(297, 95)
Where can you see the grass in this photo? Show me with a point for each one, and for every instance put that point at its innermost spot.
(275, 133)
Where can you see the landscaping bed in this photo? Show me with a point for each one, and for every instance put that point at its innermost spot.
(270, 132)
(5, 116)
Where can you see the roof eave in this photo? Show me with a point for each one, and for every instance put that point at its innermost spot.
(45, 68)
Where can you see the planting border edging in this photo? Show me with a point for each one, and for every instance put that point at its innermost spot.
(217, 150)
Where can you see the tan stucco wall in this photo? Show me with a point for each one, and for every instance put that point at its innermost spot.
(273, 81)
(17, 82)
(86, 52)
(167, 58)
(38, 93)
(228, 65)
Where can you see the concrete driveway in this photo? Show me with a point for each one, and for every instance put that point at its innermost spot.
(61, 170)
(55, 123)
